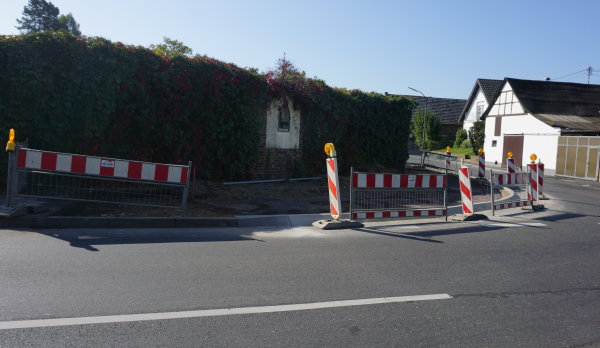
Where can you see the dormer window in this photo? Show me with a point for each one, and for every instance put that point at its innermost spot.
(283, 123)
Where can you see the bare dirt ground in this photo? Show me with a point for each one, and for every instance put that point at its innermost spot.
(211, 199)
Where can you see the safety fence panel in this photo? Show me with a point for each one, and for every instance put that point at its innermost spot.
(380, 196)
(98, 179)
(439, 160)
(518, 183)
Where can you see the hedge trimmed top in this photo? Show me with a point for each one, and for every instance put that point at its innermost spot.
(91, 96)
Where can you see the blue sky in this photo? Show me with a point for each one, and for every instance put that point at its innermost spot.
(438, 47)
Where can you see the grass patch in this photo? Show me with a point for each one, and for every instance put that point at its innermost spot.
(457, 151)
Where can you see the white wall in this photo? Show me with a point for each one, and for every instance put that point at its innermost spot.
(282, 140)
(471, 114)
(539, 138)
(545, 147)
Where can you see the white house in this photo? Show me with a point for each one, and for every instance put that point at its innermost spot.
(482, 95)
(529, 117)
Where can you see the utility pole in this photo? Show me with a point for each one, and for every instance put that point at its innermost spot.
(589, 72)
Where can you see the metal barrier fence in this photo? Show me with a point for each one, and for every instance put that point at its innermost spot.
(97, 179)
(518, 182)
(375, 196)
(439, 160)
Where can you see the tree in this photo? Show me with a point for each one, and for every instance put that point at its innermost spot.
(433, 129)
(38, 16)
(477, 135)
(171, 48)
(461, 135)
(69, 24)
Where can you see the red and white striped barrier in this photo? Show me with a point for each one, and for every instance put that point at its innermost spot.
(541, 179)
(499, 206)
(509, 179)
(368, 180)
(510, 165)
(521, 180)
(465, 190)
(375, 181)
(448, 153)
(335, 204)
(536, 177)
(398, 214)
(106, 167)
(481, 165)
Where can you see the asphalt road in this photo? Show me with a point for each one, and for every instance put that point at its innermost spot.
(522, 279)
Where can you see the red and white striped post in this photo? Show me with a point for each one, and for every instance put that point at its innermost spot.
(335, 202)
(533, 193)
(481, 164)
(465, 190)
(510, 163)
(448, 153)
(541, 179)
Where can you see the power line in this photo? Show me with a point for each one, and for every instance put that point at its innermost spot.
(571, 74)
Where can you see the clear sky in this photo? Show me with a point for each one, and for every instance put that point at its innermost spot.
(438, 47)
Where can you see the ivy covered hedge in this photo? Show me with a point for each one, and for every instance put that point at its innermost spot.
(91, 96)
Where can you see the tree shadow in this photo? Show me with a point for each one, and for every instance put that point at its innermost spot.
(88, 238)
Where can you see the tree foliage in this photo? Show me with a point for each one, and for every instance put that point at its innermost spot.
(84, 95)
(477, 136)
(69, 24)
(460, 137)
(38, 16)
(172, 48)
(41, 15)
(433, 129)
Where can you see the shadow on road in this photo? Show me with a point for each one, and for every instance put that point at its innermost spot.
(88, 238)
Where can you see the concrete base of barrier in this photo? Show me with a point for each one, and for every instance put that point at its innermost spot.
(337, 224)
(534, 207)
(465, 217)
(8, 212)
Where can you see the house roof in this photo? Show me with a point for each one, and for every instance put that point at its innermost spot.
(557, 98)
(574, 107)
(571, 124)
(448, 110)
(489, 88)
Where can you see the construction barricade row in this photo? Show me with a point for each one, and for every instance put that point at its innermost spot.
(98, 179)
(380, 196)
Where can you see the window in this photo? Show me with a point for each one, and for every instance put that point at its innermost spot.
(498, 126)
(480, 110)
(494, 143)
(283, 119)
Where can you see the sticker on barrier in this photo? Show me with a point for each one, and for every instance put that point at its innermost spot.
(380, 196)
(99, 179)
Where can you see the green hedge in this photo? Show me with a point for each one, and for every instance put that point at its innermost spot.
(91, 96)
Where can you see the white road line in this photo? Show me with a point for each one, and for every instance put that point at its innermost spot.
(520, 224)
(26, 324)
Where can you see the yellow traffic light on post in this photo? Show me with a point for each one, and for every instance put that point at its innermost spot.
(510, 154)
(329, 149)
(481, 151)
(533, 157)
(448, 148)
(10, 146)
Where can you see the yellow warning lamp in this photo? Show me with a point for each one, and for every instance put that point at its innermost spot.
(533, 157)
(329, 149)
(481, 151)
(10, 146)
(510, 154)
(448, 148)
